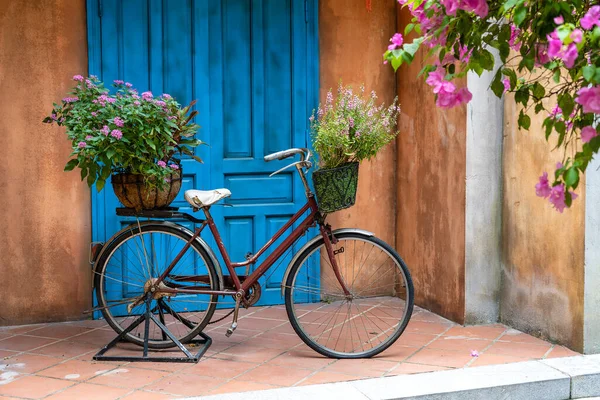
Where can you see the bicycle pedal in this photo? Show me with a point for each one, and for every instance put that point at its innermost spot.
(231, 329)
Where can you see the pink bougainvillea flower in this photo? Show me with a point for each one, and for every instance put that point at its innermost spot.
(81, 145)
(464, 95)
(479, 7)
(555, 111)
(570, 55)
(161, 164)
(397, 40)
(514, 35)
(117, 134)
(541, 54)
(589, 98)
(577, 35)
(78, 78)
(554, 45)
(436, 79)
(559, 20)
(559, 165)
(588, 133)
(474, 353)
(506, 83)
(451, 6)
(118, 122)
(557, 197)
(464, 54)
(542, 188)
(591, 18)
(174, 166)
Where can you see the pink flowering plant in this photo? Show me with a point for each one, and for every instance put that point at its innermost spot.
(351, 127)
(124, 131)
(550, 61)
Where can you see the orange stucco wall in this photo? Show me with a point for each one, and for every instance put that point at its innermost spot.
(351, 40)
(543, 251)
(44, 212)
(430, 196)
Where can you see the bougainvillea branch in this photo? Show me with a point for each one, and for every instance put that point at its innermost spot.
(550, 61)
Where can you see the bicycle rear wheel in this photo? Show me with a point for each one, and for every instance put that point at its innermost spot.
(363, 323)
(137, 257)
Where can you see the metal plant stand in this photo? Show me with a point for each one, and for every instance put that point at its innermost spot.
(148, 316)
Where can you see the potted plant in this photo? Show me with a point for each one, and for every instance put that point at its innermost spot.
(132, 137)
(345, 131)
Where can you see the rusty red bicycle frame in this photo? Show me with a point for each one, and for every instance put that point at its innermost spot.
(308, 222)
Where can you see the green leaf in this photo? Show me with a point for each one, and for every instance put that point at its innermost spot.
(538, 90)
(497, 86)
(71, 165)
(524, 120)
(100, 184)
(572, 177)
(486, 60)
(539, 107)
(520, 14)
(412, 48)
(510, 4)
(556, 76)
(110, 153)
(566, 103)
(588, 72)
(396, 62)
(408, 29)
(522, 96)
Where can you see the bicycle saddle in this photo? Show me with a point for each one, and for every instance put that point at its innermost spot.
(205, 198)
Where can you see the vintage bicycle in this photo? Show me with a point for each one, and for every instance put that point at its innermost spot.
(347, 293)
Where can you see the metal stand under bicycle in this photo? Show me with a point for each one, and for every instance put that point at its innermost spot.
(148, 316)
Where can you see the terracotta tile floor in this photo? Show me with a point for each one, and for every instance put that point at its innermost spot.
(54, 361)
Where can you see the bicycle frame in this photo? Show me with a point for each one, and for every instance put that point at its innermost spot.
(243, 287)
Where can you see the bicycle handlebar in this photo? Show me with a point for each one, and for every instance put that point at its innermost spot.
(280, 155)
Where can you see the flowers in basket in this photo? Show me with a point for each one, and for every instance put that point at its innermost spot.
(125, 132)
(345, 131)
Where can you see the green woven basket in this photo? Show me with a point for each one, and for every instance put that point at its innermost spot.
(336, 187)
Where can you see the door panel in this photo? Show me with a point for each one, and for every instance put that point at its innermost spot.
(252, 67)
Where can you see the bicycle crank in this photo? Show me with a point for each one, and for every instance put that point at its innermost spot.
(238, 298)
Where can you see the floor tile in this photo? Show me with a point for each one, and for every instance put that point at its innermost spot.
(65, 349)
(275, 375)
(186, 384)
(396, 352)
(89, 392)
(410, 368)
(513, 335)
(302, 359)
(495, 359)
(441, 358)
(249, 354)
(59, 331)
(415, 339)
(235, 386)
(327, 377)
(133, 378)
(219, 368)
(525, 350)
(489, 332)
(459, 344)
(24, 343)
(433, 328)
(144, 395)
(21, 329)
(98, 337)
(33, 387)
(76, 370)
(367, 367)
(561, 351)
(30, 363)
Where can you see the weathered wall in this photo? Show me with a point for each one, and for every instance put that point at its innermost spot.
(351, 40)
(543, 250)
(430, 198)
(44, 212)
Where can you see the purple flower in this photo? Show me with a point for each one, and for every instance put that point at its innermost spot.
(506, 83)
(588, 133)
(161, 164)
(589, 98)
(559, 20)
(591, 18)
(171, 117)
(557, 197)
(570, 55)
(542, 188)
(147, 96)
(577, 35)
(174, 166)
(351, 122)
(53, 116)
(396, 40)
(81, 145)
(555, 111)
(118, 122)
(89, 137)
(105, 130)
(135, 96)
(160, 103)
(137, 103)
(118, 82)
(111, 100)
(474, 353)
(166, 96)
(117, 134)
(129, 85)
(78, 78)
(311, 118)
(70, 99)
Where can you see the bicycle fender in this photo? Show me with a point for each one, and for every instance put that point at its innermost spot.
(181, 228)
(310, 243)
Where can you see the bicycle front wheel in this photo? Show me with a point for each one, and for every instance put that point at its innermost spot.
(362, 323)
(131, 264)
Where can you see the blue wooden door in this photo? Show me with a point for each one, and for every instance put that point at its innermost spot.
(252, 65)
